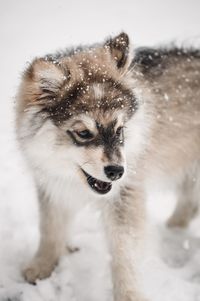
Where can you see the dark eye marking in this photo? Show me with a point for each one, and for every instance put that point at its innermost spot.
(106, 136)
(86, 134)
(82, 138)
(119, 131)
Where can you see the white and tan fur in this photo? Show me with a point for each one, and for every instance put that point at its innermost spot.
(161, 139)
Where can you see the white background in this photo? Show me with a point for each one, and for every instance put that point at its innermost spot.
(32, 28)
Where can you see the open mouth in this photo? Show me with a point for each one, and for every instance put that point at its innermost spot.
(97, 185)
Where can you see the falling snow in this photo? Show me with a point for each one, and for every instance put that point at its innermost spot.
(170, 270)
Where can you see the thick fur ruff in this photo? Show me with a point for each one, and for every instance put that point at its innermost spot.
(98, 125)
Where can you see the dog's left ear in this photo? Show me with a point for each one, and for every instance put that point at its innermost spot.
(119, 48)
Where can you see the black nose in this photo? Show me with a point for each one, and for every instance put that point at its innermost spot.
(114, 172)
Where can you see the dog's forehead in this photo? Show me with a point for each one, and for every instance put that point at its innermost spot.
(89, 64)
(101, 101)
(95, 120)
(97, 94)
(93, 89)
(98, 90)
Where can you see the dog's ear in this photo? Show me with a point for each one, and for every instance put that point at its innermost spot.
(119, 48)
(44, 80)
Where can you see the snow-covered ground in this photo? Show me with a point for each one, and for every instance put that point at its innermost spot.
(171, 267)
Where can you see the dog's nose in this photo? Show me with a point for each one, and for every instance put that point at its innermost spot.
(114, 172)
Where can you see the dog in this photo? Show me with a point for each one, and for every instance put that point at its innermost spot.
(98, 124)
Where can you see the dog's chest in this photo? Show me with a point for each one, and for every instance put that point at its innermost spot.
(69, 194)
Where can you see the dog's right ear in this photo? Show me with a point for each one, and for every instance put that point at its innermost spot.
(44, 80)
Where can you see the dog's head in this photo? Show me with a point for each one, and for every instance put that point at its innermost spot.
(73, 113)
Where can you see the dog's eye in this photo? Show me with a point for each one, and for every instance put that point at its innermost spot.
(119, 131)
(86, 134)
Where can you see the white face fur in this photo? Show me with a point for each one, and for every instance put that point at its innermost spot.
(53, 153)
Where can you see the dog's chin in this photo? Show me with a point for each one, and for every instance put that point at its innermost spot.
(97, 185)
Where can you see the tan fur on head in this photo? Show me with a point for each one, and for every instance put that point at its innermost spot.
(47, 80)
(43, 79)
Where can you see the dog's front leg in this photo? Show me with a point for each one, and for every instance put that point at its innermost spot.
(52, 240)
(124, 222)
